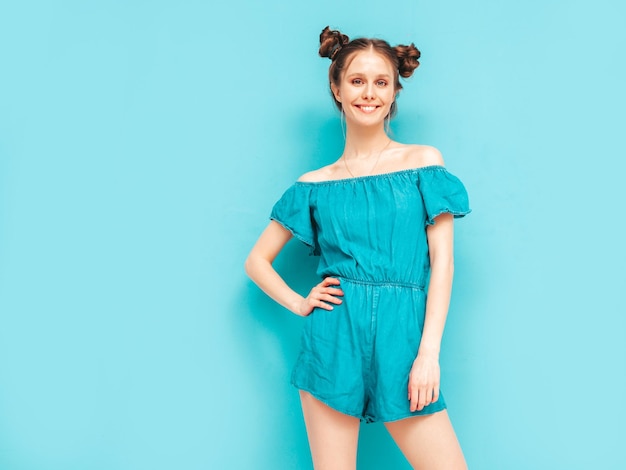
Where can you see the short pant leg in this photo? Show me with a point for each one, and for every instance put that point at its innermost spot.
(399, 323)
(336, 345)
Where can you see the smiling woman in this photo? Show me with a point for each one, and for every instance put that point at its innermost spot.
(381, 220)
(366, 90)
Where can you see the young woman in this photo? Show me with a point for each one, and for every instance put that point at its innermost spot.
(381, 220)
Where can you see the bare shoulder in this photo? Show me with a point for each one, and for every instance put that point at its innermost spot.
(321, 174)
(417, 156)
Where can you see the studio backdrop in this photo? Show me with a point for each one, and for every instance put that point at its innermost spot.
(142, 146)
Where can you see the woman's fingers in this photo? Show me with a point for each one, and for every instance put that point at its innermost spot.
(323, 300)
(423, 382)
(428, 396)
(323, 305)
(415, 400)
(322, 295)
(333, 291)
(330, 281)
(328, 294)
(330, 298)
(423, 396)
(420, 400)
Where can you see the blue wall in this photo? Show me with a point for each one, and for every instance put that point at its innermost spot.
(142, 145)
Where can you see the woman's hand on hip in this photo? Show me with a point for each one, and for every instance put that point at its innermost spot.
(321, 296)
(424, 381)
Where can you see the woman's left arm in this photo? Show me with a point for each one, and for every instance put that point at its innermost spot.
(424, 376)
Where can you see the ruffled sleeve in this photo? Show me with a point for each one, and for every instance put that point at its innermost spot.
(442, 192)
(294, 212)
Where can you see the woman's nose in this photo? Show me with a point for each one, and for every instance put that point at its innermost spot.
(368, 92)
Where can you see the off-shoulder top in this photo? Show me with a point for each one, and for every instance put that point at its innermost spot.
(372, 228)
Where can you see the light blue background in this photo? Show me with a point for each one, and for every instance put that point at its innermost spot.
(142, 145)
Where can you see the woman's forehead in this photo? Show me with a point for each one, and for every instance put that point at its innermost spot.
(369, 61)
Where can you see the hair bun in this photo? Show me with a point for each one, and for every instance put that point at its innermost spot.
(331, 41)
(407, 59)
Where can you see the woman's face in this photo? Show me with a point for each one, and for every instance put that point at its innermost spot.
(366, 90)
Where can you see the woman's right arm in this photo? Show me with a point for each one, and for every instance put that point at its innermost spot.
(259, 267)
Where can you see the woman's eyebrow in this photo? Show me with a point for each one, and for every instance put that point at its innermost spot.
(356, 74)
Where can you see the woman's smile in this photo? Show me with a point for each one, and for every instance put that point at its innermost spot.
(367, 108)
(366, 88)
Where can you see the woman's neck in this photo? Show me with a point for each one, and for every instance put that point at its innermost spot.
(364, 142)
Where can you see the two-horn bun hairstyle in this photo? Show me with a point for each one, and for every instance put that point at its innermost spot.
(339, 49)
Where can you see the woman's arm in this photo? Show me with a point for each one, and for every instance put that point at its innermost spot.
(424, 378)
(259, 267)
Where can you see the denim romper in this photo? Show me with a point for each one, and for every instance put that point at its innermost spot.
(370, 233)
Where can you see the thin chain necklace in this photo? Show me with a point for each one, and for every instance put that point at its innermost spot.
(345, 162)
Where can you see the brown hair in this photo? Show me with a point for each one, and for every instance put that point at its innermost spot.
(339, 49)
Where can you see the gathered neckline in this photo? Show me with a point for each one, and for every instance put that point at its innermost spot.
(389, 174)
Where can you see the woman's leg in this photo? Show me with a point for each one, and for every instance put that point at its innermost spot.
(333, 436)
(428, 442)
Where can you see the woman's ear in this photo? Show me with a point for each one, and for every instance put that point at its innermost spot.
(335, 91)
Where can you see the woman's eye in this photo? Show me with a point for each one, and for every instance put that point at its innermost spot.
(357, 81)
(381, 83)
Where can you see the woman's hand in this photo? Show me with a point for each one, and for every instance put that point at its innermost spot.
(320, 296)
(424, 381)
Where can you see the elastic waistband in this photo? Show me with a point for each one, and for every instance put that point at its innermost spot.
(368, 282)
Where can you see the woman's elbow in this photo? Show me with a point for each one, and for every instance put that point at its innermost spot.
(248, 265)
(254, 264)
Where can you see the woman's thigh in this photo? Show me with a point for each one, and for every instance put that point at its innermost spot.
(428, 442)
(333, 436)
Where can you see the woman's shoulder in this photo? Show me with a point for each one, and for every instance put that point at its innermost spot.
(324, 173)
(418, 156)
(401, 157)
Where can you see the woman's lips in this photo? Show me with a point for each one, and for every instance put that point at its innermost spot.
(367, 108)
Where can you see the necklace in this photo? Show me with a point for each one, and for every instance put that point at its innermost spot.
(345, 162)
